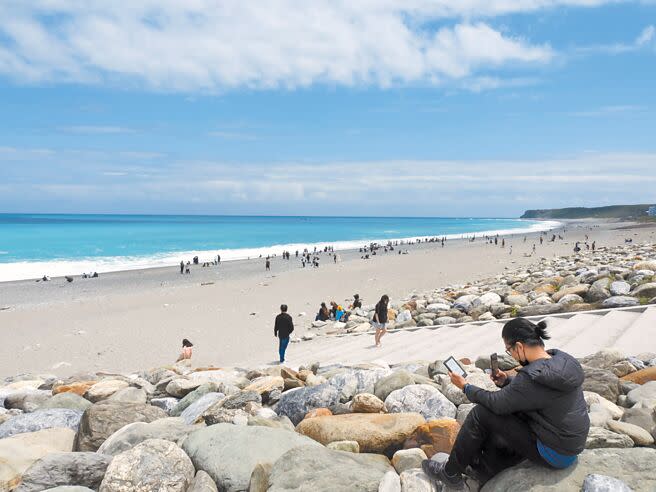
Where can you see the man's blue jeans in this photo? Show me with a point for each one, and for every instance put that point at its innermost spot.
(282, 347)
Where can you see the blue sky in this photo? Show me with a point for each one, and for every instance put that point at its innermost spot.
(439, 108)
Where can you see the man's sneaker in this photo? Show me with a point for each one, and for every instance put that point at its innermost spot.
(436, 471)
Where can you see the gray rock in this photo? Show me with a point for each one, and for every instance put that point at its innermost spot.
(463, 411)
(603, 483)
(517, 300)
(620, 301)
(391, 482)
(620, 288)
(309, 469)
(645, 395)
(436, 367)
(638, 435)
(167, 404)
(170, 429)
(297, 402)
(602, 382)
(540, 309)
(195, 410)
(69, 488)
(39, 420)
(190, 398)
(632, 466)
(202, 482)
(26, 400)
(603, 438)
(604, 359)
(420, 398)
(406, 459)
(417, 481)
(129, 395)
(102, 419)
(647, 290)
(57, 469)
(153, 465)
(599, 290)
(67, 400)
(642, 417)
(229, 453)
(354, 381)
(397, 380)
(180, 387)
(239, 400)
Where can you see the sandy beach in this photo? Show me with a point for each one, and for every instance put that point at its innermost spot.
(129, 320)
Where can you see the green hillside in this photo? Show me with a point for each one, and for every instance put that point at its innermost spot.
(610, 212)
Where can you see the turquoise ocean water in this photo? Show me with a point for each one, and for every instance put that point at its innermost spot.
(32, 245)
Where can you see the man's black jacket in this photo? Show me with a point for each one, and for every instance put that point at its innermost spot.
(549, 393)
(284, 325)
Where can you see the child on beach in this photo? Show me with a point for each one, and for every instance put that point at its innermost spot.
(186, 350)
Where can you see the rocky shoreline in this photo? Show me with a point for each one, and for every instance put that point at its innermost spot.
(614, 277)
(334, 428)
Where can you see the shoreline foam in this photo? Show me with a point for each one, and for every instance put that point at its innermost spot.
(27, 270)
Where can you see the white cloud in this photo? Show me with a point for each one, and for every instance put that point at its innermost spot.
(232, 135)
(646, 36)
(97, 130)
(207, 45)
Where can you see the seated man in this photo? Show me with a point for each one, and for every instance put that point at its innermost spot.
(539, 414)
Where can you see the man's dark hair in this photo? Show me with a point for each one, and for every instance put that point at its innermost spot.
(187, 343)
(522, 330)
(283, 308)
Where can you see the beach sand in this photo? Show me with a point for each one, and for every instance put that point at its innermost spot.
(132, 320)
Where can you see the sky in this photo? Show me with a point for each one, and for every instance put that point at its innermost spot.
(331, 107)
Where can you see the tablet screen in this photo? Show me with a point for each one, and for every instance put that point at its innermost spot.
(453, 366)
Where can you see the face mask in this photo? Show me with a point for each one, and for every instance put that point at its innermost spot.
(523, 363)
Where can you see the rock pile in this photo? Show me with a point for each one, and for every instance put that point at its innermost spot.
(606, 278)
(364, 427)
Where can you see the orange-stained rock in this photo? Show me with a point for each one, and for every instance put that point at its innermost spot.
(434, 436)
(374, 432)
(79, 388)
(466, 361)
(391, 314)
(288, 373)
(545, 288)
(642, 376)
(318, 412)
(410, 305)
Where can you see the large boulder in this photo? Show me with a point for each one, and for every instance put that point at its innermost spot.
(19, 452)
(397, 380)
(599, 290)
(309, 469)
(644, 395)
(642, 376)
(154, 464)
(620, 301)
(27, 400)
(298, 402)
(435, 436)
(102, 419)
(202, 482)
(129, 395)
(193, 396)
(634, 466)
(579, 290)
(180, 387)
(353, 381)
(229, 452)
(195, 410)
(420, 398)
(599, 437)
(374, 433)
(602, 382)
(620, 288)
(170, 429)
(58, 469)
(644, 418)
(604, 359)
(104, 389)
(647, 290)
(71, 400)
(40, 419)
(540, 309)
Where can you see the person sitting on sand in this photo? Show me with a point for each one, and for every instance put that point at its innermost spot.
(539, 414)
(186, 350)
(323, 314)
(357, 303)
(380, 319)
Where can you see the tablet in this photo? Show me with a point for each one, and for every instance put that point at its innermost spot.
(454, 366)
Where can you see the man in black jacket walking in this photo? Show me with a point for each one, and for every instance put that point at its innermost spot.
(283, 327)
(539, 414)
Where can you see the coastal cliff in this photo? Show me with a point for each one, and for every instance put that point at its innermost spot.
(610, 212)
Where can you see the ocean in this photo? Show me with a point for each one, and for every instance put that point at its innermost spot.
(33, 245)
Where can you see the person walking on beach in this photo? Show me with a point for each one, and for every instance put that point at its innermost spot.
(267, 265)
(181, 267)
(283, 327)
(186, 350)
(380, 319)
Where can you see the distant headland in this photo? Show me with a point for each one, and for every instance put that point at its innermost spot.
(609, 212)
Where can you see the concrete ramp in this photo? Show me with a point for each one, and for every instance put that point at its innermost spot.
(631, 330)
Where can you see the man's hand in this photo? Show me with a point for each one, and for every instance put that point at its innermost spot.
(499, 378)
(457, 379)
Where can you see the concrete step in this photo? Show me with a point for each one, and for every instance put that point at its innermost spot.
(640, 336)
(600, 334)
